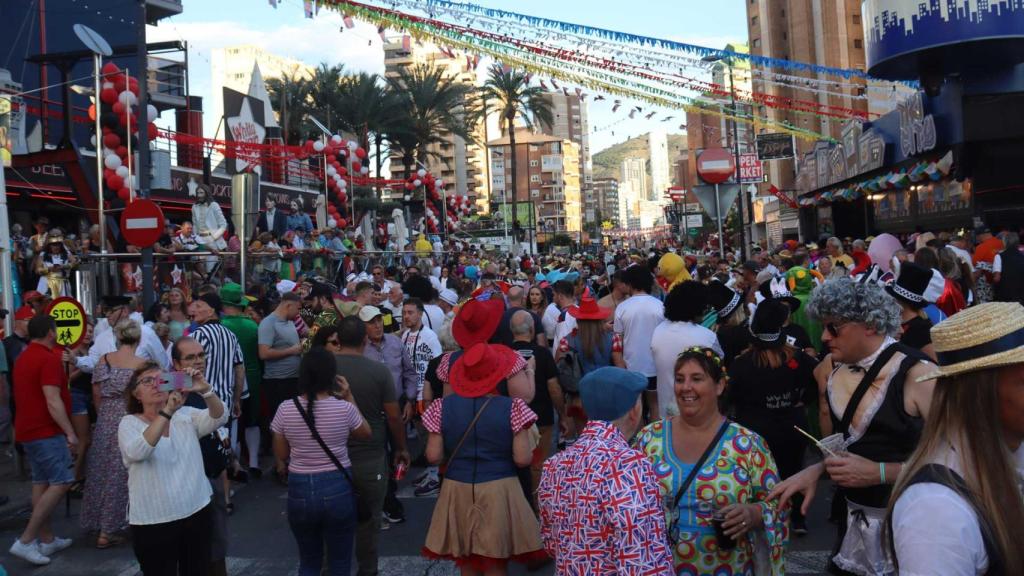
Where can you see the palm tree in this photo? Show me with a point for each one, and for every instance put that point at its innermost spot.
(434, 106)
(508, 93)
(325, 95)
(369, 107)
(291, 93)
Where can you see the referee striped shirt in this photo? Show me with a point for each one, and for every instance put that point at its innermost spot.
(223, 353)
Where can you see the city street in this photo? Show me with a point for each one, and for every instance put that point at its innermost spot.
(262, 545)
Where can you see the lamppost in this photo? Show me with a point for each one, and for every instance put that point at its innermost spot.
(745, 203)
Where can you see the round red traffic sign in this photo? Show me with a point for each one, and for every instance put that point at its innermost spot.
(142, 222)
(715, 165)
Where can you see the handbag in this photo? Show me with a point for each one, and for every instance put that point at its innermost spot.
(444, 466)
(693, 474)
(363, 512)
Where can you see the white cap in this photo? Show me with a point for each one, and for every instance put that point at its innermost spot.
(368, 313)
(285, 286)
(449, 296)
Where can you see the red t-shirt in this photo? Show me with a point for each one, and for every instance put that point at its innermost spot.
(36, 367)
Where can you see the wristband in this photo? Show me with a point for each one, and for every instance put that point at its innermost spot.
(207, 394)
(164, 414)
(881, 471)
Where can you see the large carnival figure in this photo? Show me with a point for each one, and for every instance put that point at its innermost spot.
(53, 265)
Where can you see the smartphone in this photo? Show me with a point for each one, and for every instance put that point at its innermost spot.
(170, 381)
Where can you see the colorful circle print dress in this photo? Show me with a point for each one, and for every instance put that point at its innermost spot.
(739, 470)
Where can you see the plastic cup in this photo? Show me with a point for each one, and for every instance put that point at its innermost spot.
(725, 542)
(835, 443)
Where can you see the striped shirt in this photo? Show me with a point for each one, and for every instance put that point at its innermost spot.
(334, 419)
(223, 353)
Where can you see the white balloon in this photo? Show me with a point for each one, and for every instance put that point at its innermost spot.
(421, 172)
(331, 171)
(353, 145)
(92, 140)
(107, 86)
(364, 170)
(417, 183)
(152, 113)
(336, 139)
(440, 183)
(112, 161)
(127, 98)
(318, 145)
(122, 171)
(332, 223)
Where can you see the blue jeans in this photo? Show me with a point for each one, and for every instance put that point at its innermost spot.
(322, 516)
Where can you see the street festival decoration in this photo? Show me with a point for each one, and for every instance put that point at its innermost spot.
(438, 207)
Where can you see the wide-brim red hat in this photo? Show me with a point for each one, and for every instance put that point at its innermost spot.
(479, 370)
(476, 321)
(589, 310)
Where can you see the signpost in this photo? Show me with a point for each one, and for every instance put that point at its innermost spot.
(715, 166)
(142, 222)
(69, 316)
(775, 146)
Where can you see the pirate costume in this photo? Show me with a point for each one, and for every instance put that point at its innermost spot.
(53, 267)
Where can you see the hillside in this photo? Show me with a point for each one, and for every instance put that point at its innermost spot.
(608, 162)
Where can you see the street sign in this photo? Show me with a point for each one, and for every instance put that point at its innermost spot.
(694, 221)
(715, 165)
(774, 146)
(142, 223)
(751, 169)
(70, 319)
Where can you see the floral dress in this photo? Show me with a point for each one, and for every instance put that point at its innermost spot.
(740, 470)
(105, 498)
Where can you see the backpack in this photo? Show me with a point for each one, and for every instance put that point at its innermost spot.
(570, 371)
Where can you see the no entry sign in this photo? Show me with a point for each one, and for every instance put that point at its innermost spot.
(715, 165)
(70, 318)
(142, 222)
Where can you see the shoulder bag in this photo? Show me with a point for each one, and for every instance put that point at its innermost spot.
(693, 474)
(363, 512)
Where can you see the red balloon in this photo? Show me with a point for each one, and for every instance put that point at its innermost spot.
(356, 166)
(119, 84)
(112, 141)
(115, 182)
(343, 171)
(110, 69)
(409, 186)
(108, 96)
(124, 194)
(118, 109)
(122, 151)
(153, 131)
(360, 153)
(341, 222)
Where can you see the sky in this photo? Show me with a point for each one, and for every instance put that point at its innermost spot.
(207, 25)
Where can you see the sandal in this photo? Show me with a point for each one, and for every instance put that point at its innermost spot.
(104, 542)
(77, 489)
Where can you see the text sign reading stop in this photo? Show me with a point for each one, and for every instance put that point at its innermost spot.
(142, 222)
(69, 316)
(715, 165)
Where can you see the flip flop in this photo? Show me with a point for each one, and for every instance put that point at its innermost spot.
(104, 542)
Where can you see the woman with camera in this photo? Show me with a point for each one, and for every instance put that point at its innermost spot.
(311, 434)
(168, 493)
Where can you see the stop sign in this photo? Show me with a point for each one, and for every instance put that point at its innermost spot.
(142, 222)
(715, 165)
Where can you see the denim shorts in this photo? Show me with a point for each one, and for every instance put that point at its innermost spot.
(79, 402)
(50, 460)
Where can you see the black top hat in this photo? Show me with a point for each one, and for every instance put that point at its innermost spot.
(766, 325)
(778, 288)
(723, 299)
(916, 285)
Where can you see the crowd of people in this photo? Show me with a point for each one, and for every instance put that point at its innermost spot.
(654, 412)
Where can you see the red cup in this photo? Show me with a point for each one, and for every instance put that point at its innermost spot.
(400, 471)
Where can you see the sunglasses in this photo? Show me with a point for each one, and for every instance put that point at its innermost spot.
(833, 328)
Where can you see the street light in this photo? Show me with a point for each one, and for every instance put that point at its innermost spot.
(744, 205)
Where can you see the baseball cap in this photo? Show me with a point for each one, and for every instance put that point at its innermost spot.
(608, 393)
(368, 313)
(449, 296)
(25, 312)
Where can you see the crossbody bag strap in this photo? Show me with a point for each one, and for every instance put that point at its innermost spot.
(862, 388)
(320, 441)
(466, 433)
(700, 463)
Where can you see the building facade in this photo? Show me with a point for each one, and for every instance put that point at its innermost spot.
(606, 195)
(569, 113)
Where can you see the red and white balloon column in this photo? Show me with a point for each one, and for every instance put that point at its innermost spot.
(118, 109)
(345, 163)
(434, 207)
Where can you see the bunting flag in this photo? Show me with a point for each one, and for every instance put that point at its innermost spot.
(308, 7)
(273, 4)
(349, 22)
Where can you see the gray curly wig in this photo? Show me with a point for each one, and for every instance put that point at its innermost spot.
(844, 299)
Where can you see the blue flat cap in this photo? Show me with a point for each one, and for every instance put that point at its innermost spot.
(609, 392)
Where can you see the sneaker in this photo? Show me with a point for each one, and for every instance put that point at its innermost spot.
(421, 479)
(29, 553)
(431, 488)
(392, 518)
(385, 526)
(51, 548)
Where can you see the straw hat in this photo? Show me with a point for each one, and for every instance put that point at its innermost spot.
(984, 336)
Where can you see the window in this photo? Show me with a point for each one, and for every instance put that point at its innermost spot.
(858, 43)
(756, 43)
(753, 20)
(856, 18)
(535, 178)
(534, 163)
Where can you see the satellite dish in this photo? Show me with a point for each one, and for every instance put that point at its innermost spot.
(92, 40)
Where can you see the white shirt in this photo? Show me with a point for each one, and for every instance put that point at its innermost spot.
(433, 317)
(562, 330)
(550, 320)
(635, 320)
(997, 264)
(668, 340)
(936, 531)
(150, 347)
(422, 347)
(166, 482)
(962, 255)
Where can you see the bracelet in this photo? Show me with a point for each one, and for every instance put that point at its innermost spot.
(207, 394)
(881, 471)
(164, 414)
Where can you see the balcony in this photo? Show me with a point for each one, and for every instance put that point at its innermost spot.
(167, 83)
(157, 10)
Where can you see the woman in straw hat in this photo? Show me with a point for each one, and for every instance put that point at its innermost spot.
(957, 506)
(482, 519)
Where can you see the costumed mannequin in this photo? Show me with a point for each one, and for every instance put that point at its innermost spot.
(320, 204)
(401, 230)
(208, 219)
(53, 265)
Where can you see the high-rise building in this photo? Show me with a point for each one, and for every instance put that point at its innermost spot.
(234, 67)
(548, 178)
(569, 113)
(633, 189)
(462, 164)
(606, 194)
(661, 177)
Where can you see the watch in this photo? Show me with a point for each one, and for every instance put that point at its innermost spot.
(164, 414)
